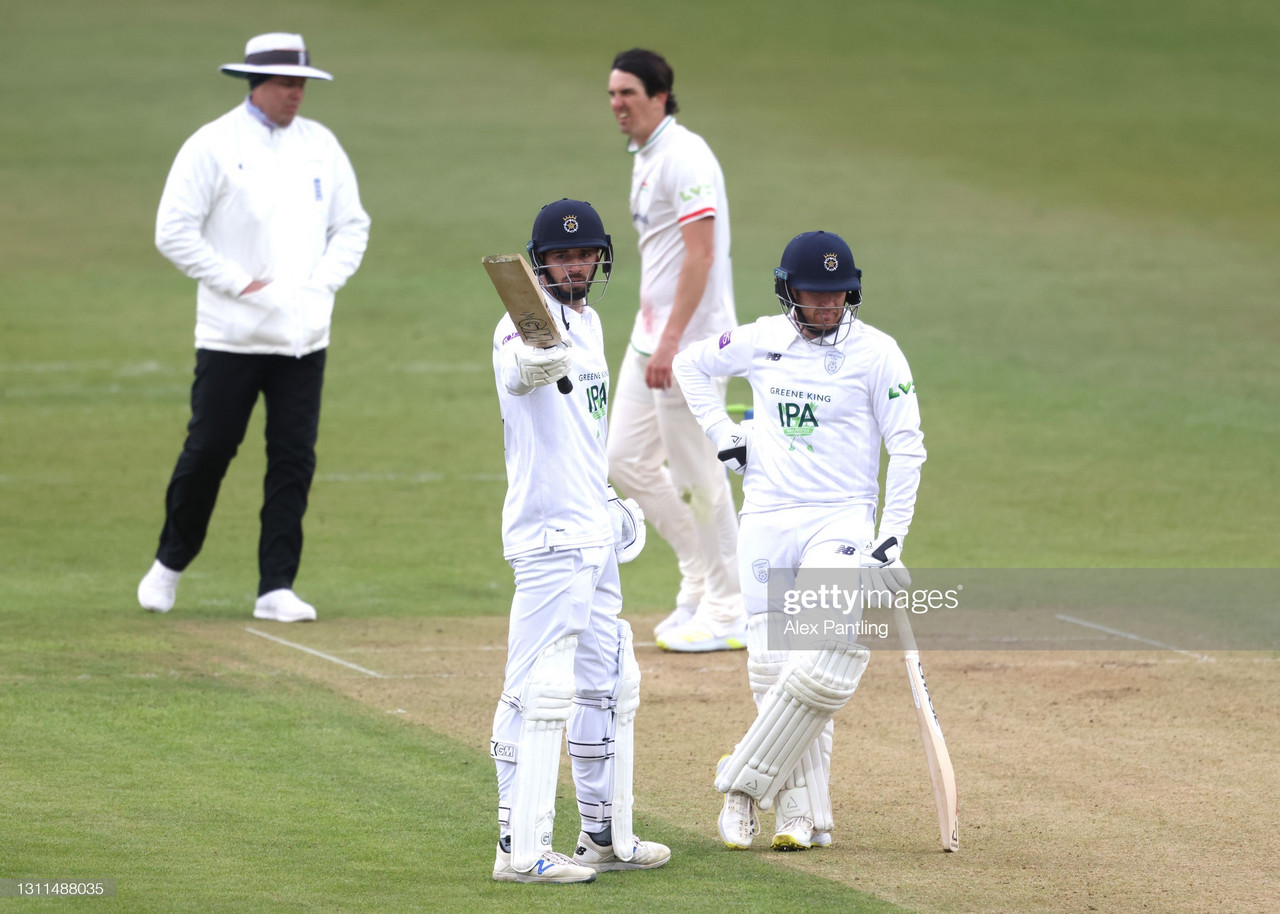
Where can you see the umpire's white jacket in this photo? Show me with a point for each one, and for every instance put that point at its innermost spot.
(246, 201)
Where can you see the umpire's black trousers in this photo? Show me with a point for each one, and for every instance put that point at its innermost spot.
(223, 395)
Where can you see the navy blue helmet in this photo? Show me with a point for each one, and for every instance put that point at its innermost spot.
(818, 262)
(568, 224)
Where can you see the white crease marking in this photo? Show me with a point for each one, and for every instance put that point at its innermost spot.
(1132, 637)
(321, 654)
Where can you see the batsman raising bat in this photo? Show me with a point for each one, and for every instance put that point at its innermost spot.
(570, 662)
(828, 389)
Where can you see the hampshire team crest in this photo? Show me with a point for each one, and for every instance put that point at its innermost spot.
(833, 360)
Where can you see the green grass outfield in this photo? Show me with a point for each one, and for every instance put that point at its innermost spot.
(1067, 214)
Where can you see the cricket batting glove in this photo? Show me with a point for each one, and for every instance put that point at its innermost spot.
(539, 367)
(731, 440)
(882, 561)
(628, 527)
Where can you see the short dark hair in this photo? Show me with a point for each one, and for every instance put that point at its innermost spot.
(651, 69)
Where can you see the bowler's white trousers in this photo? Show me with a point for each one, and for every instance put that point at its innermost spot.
(659, 456)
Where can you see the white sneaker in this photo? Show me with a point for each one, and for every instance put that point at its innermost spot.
(738, 822)
(796, 834)
(283, 606)
(647, 855)
(158, 588)
(701, 636)
(551, 867)
(679, 616)
(821, 839)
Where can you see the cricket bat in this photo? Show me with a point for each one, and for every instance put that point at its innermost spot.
(941, 774)
(521, 295)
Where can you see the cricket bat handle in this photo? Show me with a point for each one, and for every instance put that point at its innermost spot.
(564, 385)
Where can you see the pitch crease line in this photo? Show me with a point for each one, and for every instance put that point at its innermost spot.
(321, 654)
(1115, 631)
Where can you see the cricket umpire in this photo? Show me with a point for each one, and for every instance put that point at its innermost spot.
(261, 208)
(570, 662)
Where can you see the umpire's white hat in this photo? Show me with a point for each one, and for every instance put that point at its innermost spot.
(275, 54)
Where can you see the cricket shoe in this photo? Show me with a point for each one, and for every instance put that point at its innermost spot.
(698, 636)
(283, 605)
(158, 588)
(796, 834)
(679, 616)
(821, 839)
(550, 867)
(646, 855)
(738, 822)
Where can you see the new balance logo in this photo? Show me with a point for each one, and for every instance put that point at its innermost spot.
(544, 865)
(773, 356)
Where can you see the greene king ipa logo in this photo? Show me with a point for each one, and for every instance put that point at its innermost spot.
(598, 402)
(798, 421)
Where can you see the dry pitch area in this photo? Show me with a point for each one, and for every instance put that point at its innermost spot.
(1104, 780)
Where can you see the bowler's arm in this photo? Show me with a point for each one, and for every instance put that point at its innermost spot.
(699, 254)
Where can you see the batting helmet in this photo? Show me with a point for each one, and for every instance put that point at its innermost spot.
(569, 224)
(818, 262)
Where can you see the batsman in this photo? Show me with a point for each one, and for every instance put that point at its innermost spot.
(570, 662)
(828, 390)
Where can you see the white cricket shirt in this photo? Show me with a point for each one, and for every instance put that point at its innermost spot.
(557, 470)
(821, 413)
(675, 179)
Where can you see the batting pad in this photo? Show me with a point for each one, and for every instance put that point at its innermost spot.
(806, 790)
(814, 769)
(811, 689)
(545, 703)
(819, 783)
(624, 746)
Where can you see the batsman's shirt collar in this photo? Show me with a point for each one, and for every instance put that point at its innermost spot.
(653, 138)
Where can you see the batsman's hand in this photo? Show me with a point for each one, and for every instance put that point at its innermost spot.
(540, 367)
(882, 567)
(732, 444)
(628, 527)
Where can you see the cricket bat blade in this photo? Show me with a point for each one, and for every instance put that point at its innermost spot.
(941, 773)
(513, 279)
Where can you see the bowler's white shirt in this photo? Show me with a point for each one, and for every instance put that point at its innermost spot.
(820, 415)
(675, 180)
(557, 471)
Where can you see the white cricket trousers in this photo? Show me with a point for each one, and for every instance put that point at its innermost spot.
(560, 593)
(775, 544)
(659, 456)
(778, 542)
